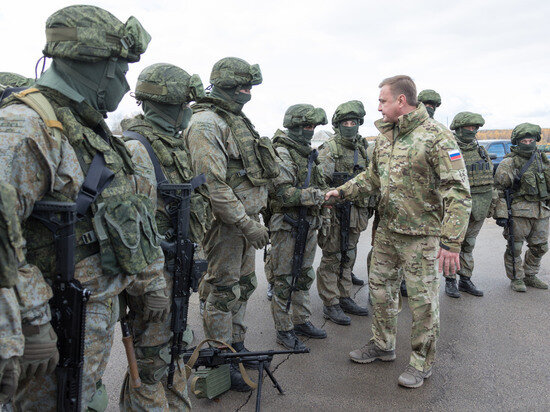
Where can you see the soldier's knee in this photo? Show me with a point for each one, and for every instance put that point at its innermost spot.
(224, 298)
(468, 244)
(281, 287)
(248, 284)
(153, 363)
(306, 278)
(99, 400)
(517, 248)
(539, 250)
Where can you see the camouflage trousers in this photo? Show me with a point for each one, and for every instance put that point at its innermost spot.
(330, 285)
(416, 255)
(535, 233)
(40, 394)
(230, 281)
(282, 250)
(152, 345)
(467, 248)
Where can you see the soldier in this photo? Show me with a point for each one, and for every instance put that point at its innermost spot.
(425, 204)
(300, 185)
(431, 100)
(480, 176)
(164, 92)
(238, 164)
(344, 153)
(55, 145)
(525, 174)
(11, 256)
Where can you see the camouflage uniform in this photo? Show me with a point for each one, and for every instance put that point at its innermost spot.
(480, 177)
(425, 202)
(344, 155)
(45, 156)
(152, 339)
(431, 99)
(286, 196)
(530, 205)
(11, 255)
(224, 146)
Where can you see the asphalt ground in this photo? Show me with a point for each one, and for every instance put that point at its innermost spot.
(493, 352)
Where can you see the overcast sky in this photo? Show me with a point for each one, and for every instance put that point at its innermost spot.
(486, 56)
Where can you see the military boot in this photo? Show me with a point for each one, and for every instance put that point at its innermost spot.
(307, 329)
(403, 289)
(356, 281)
(269, 291)
(413, 378)
(348, 305)
(289, 340)
(250, 364)
(335, 314)
(451, 289)
(237, 382)
(465, 284)
(535, 282)
(518, 285)
(370, 352)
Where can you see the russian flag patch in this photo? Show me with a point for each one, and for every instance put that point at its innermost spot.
(455, 155)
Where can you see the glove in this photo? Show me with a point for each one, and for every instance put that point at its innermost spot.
(156, 306)
(312, 197)
(331, 201)
(254, 232)
(40, 356)
(9, 376)
(502, 221)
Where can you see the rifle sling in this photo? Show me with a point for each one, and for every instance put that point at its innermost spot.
(517, 180)
(96, 180)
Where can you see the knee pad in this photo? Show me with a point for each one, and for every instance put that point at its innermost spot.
(224, 298)
(468, 244)
(539, 250)
(153, 363)
(247, 285)
(99, 400)
(306, 278)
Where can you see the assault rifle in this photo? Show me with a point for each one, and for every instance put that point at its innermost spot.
(212, 357)
(186, 272)
(301, 230)
(68, 304)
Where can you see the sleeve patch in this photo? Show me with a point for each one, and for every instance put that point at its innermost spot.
(454, 155)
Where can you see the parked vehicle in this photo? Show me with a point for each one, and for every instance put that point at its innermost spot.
(497, 149)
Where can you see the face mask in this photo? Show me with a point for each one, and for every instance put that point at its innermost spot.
(187, 113)
(242, 98)
(170, 118)
(431, 111)
(466, 136)
(231, 95)
(117, 87)
(348, 132)
(527, 148)
(299, 135)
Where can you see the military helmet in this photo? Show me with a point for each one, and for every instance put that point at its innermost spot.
(304, 114)
(524, 130)
(231, 72)
(91, 34)
(15, 80)
(353, 109)
(430, 96)
(467, 119)
(168, 84)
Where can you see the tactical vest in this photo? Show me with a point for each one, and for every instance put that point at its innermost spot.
(11, 242)
(258, 161)
(535, 182)
(479, 168)
(119, 224)
(176, 165)
(317, 179)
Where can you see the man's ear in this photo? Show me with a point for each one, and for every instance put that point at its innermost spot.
(402, 100)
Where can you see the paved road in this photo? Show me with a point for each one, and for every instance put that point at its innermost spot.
(493, 352)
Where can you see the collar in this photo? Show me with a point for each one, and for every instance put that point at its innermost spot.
(405, 123)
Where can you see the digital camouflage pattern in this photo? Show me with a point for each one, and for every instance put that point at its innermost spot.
(59, 175)
(286, 197)
(9, 79)
(304, 114)
(417, 198)
(530, 207)
(353, 109)
(231, 72)
(90, 34)
(526, 130)
(216, 137)
(338, 155)
(430, 96)
(467, 119)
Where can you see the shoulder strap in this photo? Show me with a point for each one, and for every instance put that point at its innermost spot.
(523, 170)
(159, 174)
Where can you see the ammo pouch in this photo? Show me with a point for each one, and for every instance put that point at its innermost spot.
(127, 234)
(211, 382)
(267, 157)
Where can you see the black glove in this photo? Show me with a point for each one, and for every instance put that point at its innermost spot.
(502, 221)
(40, 356)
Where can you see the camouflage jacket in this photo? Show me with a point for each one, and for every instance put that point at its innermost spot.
(38, 166)
(212, 147)
(175, 162)
(419, 171)
(506, 172)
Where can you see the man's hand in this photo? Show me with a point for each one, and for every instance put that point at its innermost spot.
(449, 262)
(254, 232)
(9, 376)
(502, 221)
(40, 356)
(156, 306)
(333, 193)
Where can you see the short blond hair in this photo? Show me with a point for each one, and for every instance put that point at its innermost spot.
(401, 84)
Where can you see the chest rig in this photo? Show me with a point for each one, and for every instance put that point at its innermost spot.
(479, 168)
(532, 182)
